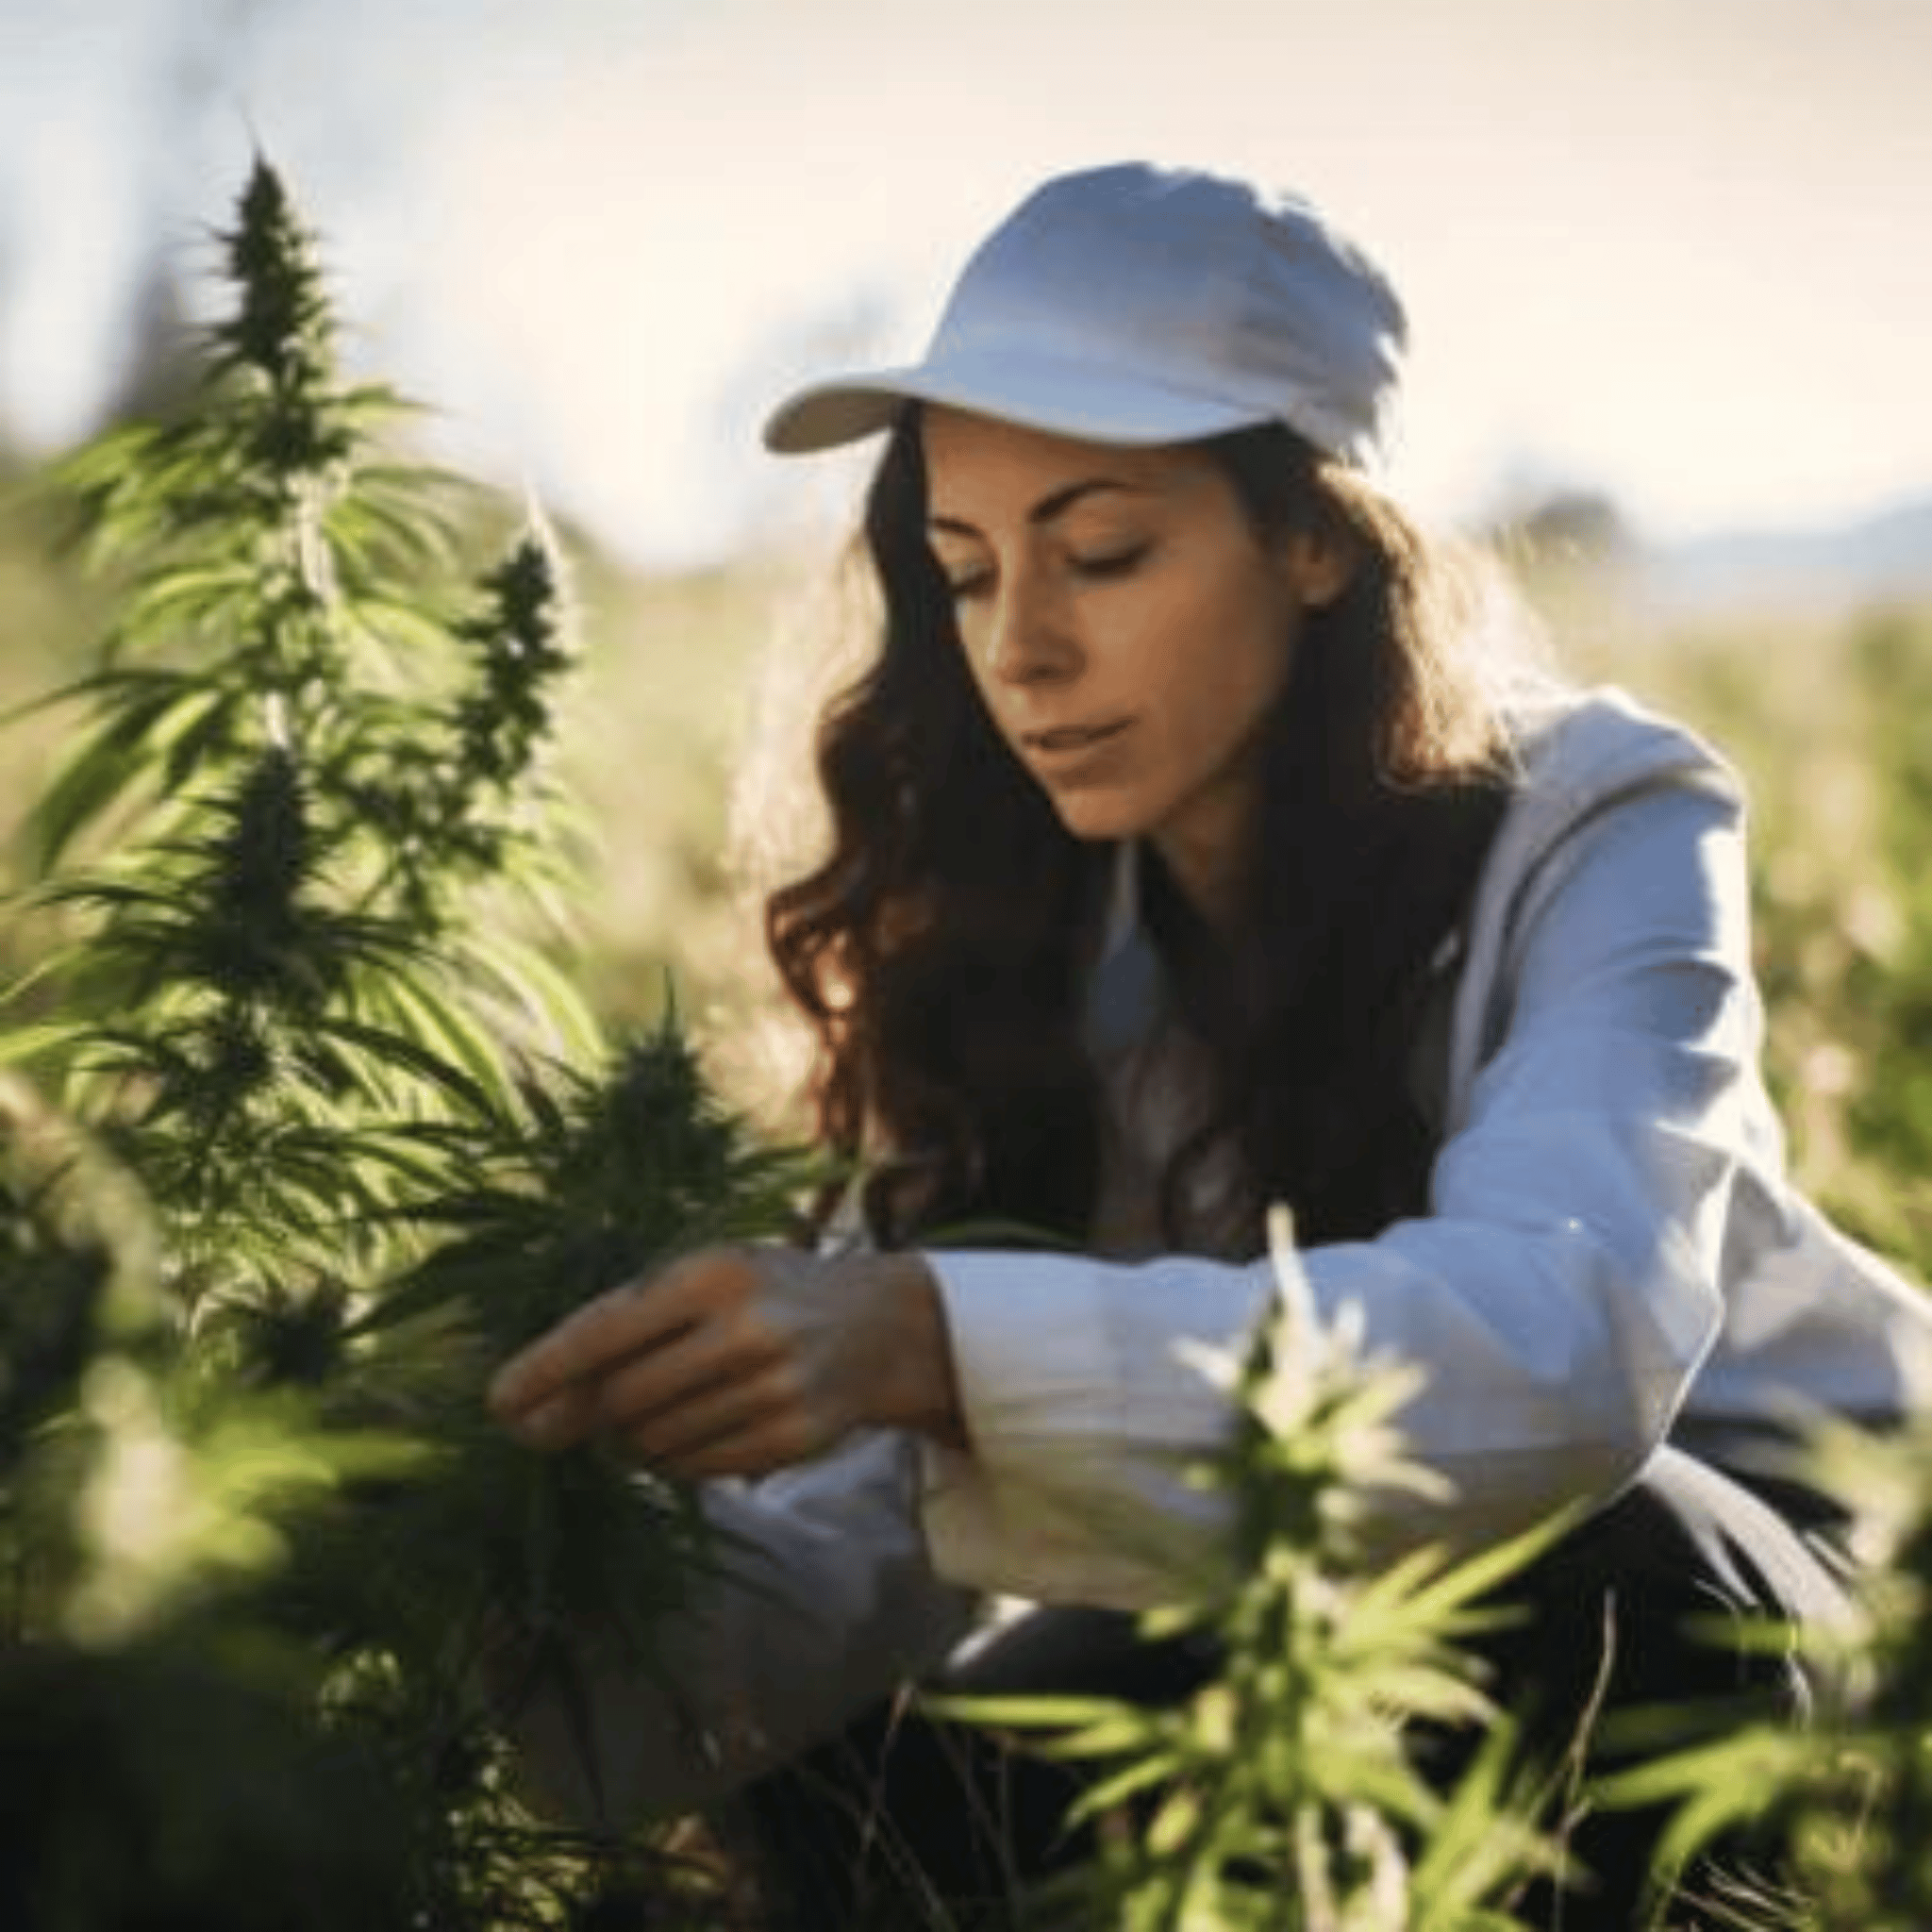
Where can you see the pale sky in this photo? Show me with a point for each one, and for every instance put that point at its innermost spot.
(1677, 249)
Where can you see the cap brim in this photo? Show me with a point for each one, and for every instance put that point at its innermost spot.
(1093, 404)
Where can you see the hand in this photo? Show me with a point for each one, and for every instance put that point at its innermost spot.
(737, 1361)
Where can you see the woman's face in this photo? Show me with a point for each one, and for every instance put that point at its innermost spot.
(1128, 628)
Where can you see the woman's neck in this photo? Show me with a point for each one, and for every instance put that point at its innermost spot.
(1210, 853)
(1215, 881)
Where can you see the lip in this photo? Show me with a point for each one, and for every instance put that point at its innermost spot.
(1070, 740)
(1073, 755)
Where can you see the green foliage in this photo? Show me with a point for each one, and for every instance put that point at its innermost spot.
(161, 1766)
(583, 1185)
(348, 1139)
(1891, 1113)
(1283, 1794)
(299, 776)
(1849, 1799)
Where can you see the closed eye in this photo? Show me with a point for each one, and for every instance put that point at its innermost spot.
(1111, 563)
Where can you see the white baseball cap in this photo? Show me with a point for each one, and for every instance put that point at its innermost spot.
(1133, 304)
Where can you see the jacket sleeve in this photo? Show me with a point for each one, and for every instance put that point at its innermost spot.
(823, 1603)
(1559, 1294)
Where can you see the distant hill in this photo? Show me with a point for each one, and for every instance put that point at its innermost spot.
(1885, 557)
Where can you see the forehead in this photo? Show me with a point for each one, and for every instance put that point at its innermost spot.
(977, 462)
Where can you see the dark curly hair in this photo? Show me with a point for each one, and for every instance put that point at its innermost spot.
(940, 949)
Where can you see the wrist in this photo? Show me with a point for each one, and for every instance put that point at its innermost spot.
(917, 1387)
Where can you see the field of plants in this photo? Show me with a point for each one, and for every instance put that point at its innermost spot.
(381, 978)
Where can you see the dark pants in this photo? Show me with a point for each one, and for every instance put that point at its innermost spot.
(905, 1822)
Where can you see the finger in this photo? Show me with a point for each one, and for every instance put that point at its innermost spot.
(765, 1401)
(586, 1343)
(560, 1423)
(692, 1365)
(757, 1448)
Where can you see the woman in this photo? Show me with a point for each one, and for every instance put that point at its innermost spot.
(1189, 854)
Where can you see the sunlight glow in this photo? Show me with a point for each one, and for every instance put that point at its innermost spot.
(1672, 253)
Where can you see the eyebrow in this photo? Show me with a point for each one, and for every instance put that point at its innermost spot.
(1056, 503)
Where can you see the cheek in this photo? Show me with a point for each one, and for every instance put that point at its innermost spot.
(1227, 690)
(1213, 731)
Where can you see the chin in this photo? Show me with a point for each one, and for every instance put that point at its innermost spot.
(1098, 824)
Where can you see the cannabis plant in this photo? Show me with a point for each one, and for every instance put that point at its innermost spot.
(301, 770)
(298, 883)
(1281, 1793)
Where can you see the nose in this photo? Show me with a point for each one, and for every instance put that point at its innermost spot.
(1027, 638)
